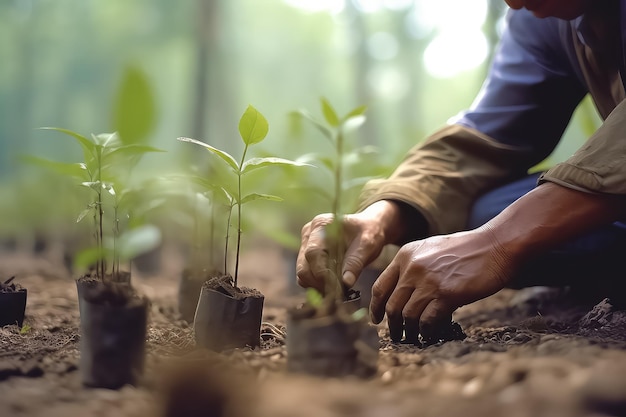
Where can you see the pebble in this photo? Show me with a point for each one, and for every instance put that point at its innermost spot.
(387, 377)
(472, 388)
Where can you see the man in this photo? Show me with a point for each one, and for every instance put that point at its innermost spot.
(470, 219)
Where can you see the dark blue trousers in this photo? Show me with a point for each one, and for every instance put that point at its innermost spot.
(595, 262)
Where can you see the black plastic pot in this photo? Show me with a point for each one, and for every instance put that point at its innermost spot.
(225, 321)
(189, 288)
(12, 307)
(331, 346)
(87, 284)
(113, 321)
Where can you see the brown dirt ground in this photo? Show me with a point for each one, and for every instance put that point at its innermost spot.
(532, 352)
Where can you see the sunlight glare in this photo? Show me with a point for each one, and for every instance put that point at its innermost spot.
(452, 53)
(398, 5)
(313, 6)
(388, 82)
(368, 6)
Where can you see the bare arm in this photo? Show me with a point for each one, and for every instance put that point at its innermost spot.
(428, 279)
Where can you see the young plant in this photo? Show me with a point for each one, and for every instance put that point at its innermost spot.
(335, 129)
(105, 161)
(253, 129)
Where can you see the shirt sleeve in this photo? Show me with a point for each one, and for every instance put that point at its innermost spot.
(516, 121)
(599, 166)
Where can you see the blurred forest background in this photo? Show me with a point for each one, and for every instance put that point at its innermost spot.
(161, 69)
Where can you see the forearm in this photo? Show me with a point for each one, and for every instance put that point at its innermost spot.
(549, 215)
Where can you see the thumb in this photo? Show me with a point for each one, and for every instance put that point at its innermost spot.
(352, 267)
(360, 253)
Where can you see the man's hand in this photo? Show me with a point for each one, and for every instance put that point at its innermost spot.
(366, 233)
(428, 279)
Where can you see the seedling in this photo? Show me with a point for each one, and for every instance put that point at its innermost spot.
(106, 159)
(335, 129)
(253, 129)
(328, 335)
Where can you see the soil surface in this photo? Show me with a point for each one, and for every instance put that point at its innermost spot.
(532, 352)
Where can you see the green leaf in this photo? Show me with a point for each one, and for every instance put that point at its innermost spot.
(133, 150)
(25, 329)
(355, 112)
(94, 185)
(320, 126)
(218, 192)
(84, 213)
(87, 145)
(253, 126)
(360, 314)
(353, 123)
(329, 113)
(107, 140)
(88, 257)
(256, 163)
(256, 196)
(77, 170)
(140, 240)
(134, 111)
(225, 156)
(314, 298)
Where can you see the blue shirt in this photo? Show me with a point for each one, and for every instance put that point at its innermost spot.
(535, 83)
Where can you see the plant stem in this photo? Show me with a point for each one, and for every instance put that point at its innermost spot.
(230, 214)
(195, 255)
(243, 158)
(336, 232)
(100, 263)
(212, 237)
(116, 257)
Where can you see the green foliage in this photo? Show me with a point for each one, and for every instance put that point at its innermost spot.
(134, 111)
(335, 129)
(25, 329)
(105, 172)
(360, 314)
(314, 298)
(253, 129)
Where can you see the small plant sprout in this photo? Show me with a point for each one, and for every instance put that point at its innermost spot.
(253, 128)
(335, 129)
(106, 161)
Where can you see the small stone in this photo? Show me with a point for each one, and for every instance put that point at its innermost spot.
(387, 377)
(276, 357)
(472, 387)
(599, 316)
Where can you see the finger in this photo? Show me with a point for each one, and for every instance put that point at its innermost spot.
(360, 253)
(412, 312)
(381, 291)
(317, 259)
(394, 308)
(304, 275)
(312, 263)
(434, 320)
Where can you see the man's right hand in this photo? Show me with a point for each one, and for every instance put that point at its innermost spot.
(366, 233)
